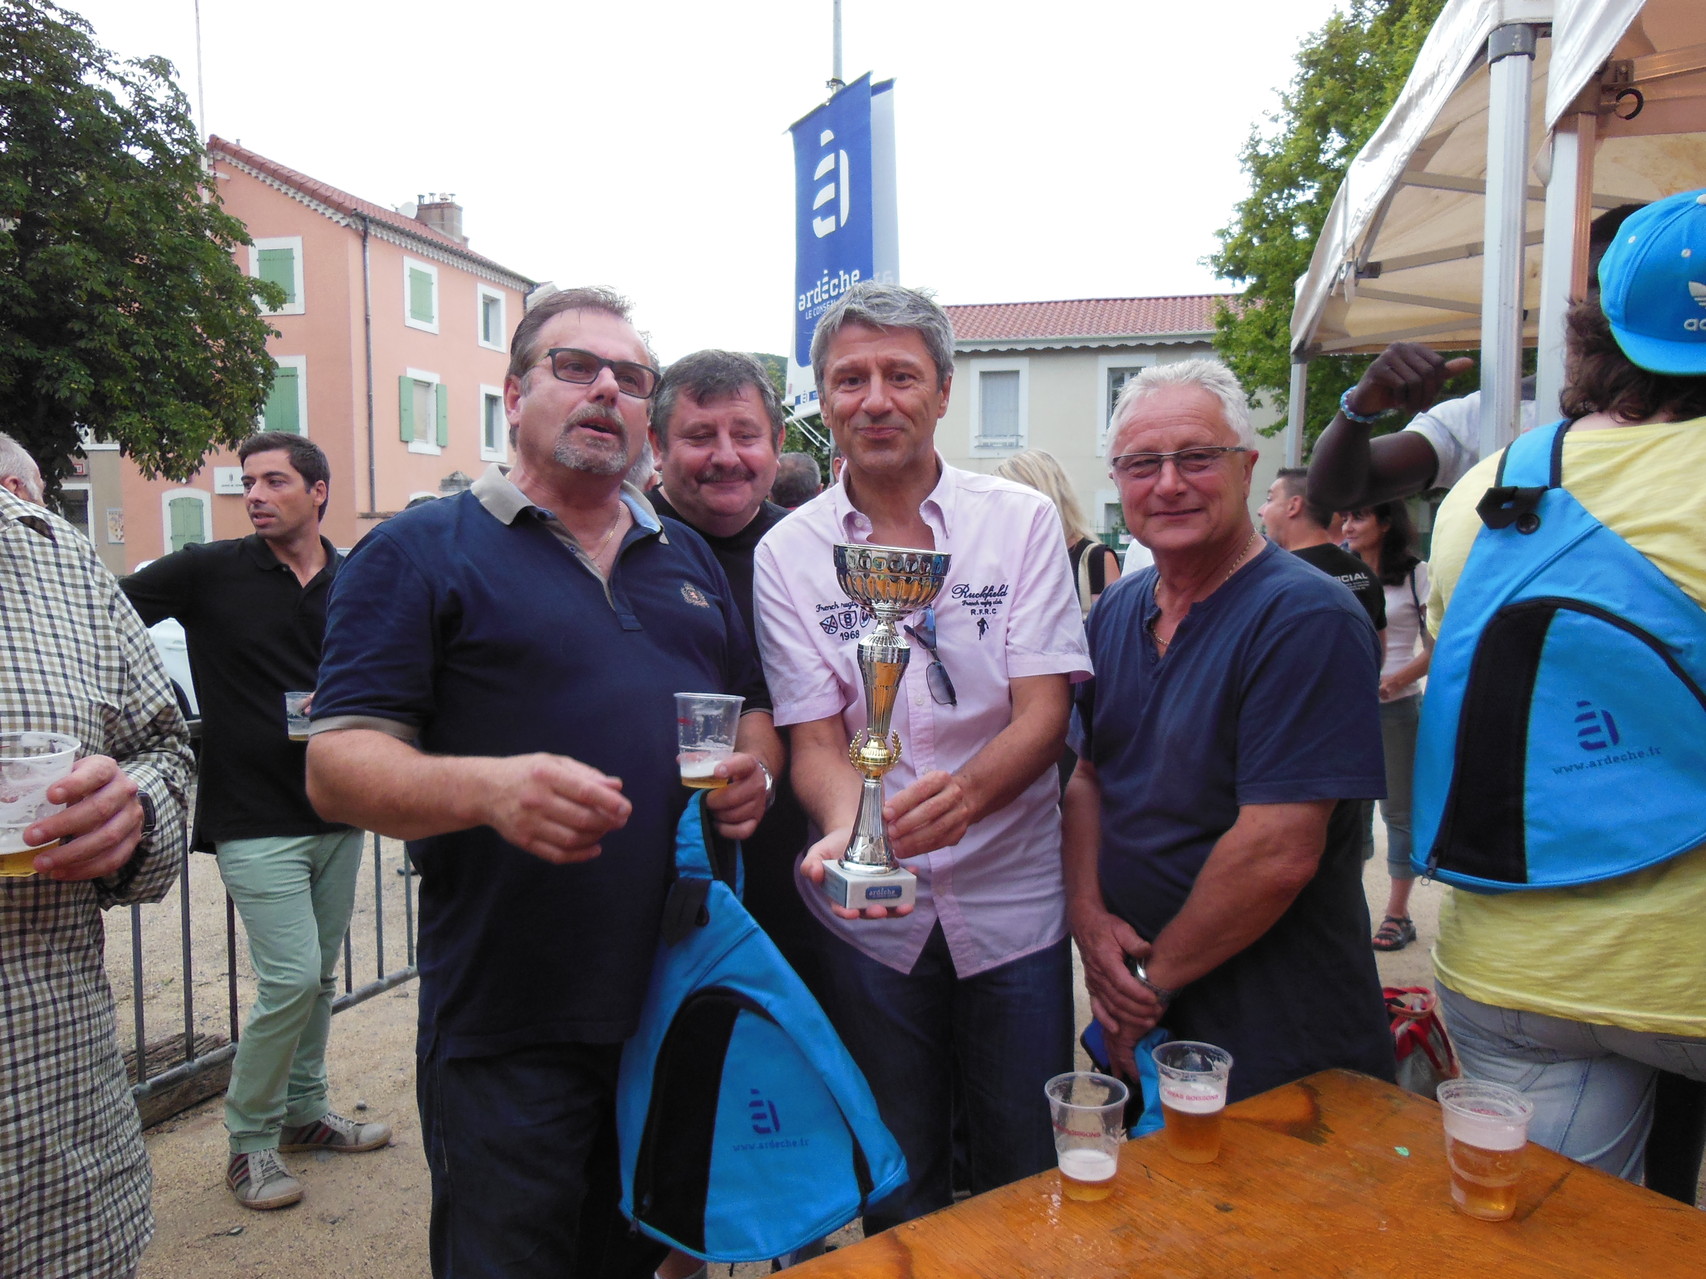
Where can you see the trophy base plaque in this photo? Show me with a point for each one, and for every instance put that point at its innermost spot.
(858, 889)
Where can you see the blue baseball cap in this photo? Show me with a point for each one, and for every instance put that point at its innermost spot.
(1652, 285)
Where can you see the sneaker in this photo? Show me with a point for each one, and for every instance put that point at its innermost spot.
(260, 1180)
(332, 1131)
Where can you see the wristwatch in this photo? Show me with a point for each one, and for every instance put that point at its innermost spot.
(1160, 992)
(150, 819)
(769, 784)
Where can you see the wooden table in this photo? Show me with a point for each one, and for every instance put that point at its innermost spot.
(1338, 1174)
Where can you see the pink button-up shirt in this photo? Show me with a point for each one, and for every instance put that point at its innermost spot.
(1008, 610)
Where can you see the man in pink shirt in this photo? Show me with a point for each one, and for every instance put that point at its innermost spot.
(963, 1002)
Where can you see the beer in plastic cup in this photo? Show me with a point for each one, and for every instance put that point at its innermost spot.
(1486, 1128)
(705, 727)
(296, 714)
(1192, 1078)
(29, 764)
(1088, 1111)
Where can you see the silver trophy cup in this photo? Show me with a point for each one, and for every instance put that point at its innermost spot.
(889, 583)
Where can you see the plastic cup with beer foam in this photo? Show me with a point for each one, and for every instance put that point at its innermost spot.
(296, 708)
(705, 727)
(1486, 1128)
(1089, 1123)
(29, 764)
(1192, 1079)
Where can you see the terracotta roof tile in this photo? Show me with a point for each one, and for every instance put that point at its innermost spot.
(348, 204)
(1085, 318)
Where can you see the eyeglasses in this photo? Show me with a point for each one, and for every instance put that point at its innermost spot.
(570, 364)
(1146, 466)
(936, 677)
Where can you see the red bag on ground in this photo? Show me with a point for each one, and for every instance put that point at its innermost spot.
(1425, 1054)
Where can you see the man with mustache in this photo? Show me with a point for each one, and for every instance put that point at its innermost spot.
(498, 689)
(254, 612)
(717, 429)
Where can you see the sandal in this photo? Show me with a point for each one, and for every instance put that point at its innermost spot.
(1394, 933)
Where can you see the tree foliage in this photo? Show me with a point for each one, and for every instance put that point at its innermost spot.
(121, 308)
(1349, 74)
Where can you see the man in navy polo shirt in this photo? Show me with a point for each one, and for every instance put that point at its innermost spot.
(498, 689)
(1211, 841)
(254, 612)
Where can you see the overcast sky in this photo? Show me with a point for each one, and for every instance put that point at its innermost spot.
(1083, 149)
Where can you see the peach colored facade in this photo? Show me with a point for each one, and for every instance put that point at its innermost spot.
(395, 329)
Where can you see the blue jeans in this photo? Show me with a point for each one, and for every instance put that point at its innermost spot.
(1003, 1034)
(522, 1152)
(1398, 721)
(1591, 1085)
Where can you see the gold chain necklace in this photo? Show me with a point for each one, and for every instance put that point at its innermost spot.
(599, 549)
(1164, 644)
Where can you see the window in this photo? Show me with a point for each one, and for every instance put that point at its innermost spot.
(74, 506)
(1113, 373)
(278, 260)
(185, 512)
(287, 403)
(489, 320)
(423, 412)
(420, 295)
(494, 426)
(999, 389)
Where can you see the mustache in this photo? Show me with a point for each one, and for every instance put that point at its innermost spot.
(725, 475)
(587, 414)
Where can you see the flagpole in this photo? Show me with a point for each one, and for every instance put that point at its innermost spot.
(836, 83)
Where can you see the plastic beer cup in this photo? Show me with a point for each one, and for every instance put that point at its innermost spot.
(296, 708)
(29, 764)
(705, 727)
(1192, 1077)
(1088, 1111)
(1486, 1128)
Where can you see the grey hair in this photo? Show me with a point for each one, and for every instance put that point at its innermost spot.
(1208, 375)
(16, 461)
(640, 473)
(886, 306)
(708, 376)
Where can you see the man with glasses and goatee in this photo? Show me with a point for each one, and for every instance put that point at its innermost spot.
(964, 1001)
(498, 689)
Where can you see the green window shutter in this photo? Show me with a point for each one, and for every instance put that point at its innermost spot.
(420, 296)
(443, 398)
(284, 408)
(186, 521)
(406, 407)
(278, 266)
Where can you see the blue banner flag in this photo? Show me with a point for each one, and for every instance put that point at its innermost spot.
(844, 210)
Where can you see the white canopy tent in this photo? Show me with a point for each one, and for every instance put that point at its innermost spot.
(1521, 120)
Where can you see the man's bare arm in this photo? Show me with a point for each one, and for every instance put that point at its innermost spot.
(937, 809)
(1254, 873)
(551, 806)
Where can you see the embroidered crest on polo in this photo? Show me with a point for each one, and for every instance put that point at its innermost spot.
(693, 595)
(841, 618)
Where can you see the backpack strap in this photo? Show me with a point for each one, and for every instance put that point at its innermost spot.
(1098, 568)
(1416, 598)
(1531, 465)
(701, 855)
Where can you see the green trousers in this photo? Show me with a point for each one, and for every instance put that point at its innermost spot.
(294, 894)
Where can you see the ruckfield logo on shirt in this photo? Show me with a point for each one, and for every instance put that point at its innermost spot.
(693, 595)
(982, 602)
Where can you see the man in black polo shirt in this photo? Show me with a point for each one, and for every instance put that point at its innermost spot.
(254, 613)
(1299, 525)
(717, 430)
(498, 689)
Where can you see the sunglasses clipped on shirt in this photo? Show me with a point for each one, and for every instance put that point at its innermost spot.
(936, 677)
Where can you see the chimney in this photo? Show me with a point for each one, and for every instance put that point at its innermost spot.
(442, 214)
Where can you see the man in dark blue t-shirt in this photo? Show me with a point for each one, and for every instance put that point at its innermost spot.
(497, 688)
(1212, 862)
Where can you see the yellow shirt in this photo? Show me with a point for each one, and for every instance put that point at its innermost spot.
(1631, 951)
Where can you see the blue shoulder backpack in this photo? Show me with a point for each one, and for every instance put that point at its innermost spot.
(745, 1129)
(1563, 735)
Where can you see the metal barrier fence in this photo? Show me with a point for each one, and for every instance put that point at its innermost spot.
(152, 972)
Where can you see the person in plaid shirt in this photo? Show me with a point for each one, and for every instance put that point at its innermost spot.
(74, 658)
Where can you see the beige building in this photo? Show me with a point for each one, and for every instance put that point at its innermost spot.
(1045, 375)
(391, 349)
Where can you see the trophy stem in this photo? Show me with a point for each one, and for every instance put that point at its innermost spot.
(868, 850)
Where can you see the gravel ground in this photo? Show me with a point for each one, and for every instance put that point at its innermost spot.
(366, 1215)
